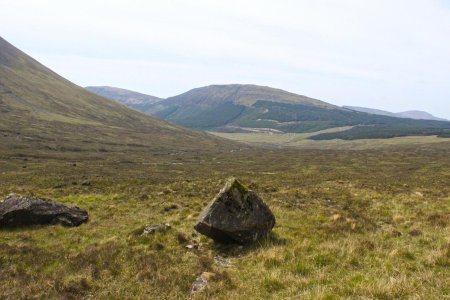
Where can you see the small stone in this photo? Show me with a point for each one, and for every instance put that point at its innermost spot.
(330, 202)
(201, 282)
(191, 247)
(151, 229)
(223, 261)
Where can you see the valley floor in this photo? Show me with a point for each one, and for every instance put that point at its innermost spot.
(300, 140)
(371, 224)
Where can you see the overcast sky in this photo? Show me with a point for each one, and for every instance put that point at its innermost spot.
(387, 54)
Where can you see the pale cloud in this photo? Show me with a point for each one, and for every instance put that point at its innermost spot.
(378, 53)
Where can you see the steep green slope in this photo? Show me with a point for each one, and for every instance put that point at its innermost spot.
(41, 110)
(132, 99)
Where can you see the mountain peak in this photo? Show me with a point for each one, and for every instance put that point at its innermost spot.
(247, 94)
(419, 115)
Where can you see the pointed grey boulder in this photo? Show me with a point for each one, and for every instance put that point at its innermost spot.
(16, 211)
(236, 214)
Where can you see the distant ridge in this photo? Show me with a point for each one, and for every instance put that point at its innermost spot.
(412, 114)
(132, 99)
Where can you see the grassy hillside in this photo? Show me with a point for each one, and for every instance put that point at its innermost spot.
(41, 110)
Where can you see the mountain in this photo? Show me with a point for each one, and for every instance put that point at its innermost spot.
(252, 108)
(419, 115)
(413, 114)
(132, 99)
(237, 107)
(41, 110)
(372, 111)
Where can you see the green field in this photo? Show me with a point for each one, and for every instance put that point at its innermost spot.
(370, 224)
(302, 141)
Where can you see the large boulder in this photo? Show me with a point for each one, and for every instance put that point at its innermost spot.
(235, 215)
(21, 211)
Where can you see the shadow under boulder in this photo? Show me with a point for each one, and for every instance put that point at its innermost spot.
(236, 215)
(16, 211)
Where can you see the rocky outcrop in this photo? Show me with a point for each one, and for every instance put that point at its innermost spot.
(236, 215)
(17, 211)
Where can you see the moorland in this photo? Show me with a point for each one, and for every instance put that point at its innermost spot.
(366, 222)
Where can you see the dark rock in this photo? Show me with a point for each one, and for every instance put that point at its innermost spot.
(21, 211)
(236, 215)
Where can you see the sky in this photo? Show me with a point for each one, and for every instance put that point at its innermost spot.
(385, 54)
